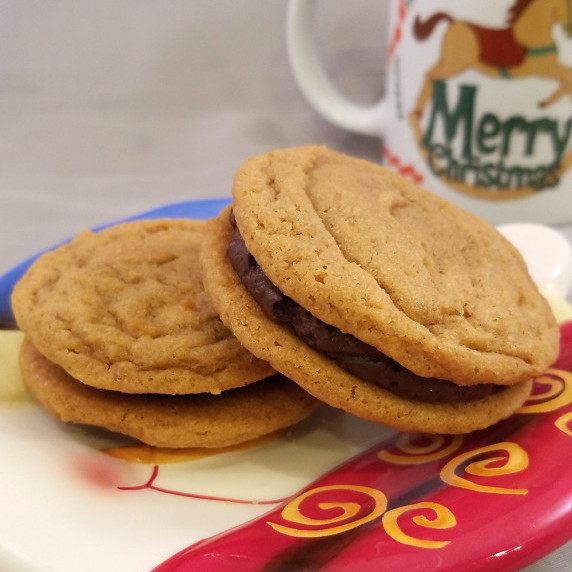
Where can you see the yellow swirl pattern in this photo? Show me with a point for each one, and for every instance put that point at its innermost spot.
(292, 513)
(516, 461)
(443, 519)
(411, 453)
(562, 423)
(558, 392)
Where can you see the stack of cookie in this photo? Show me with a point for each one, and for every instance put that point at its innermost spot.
(371, 294)
(120, 334)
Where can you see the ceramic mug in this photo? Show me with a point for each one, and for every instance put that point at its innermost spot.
(477, 104)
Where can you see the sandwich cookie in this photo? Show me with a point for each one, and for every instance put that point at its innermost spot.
(375, 295)
(120, 334)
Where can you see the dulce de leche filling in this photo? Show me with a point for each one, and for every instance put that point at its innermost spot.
(354, 356)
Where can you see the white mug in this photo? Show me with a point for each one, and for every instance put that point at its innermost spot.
(477, 105)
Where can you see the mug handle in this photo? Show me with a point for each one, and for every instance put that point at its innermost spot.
(312, 79)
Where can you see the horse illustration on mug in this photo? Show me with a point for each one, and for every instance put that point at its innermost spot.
(525, 47)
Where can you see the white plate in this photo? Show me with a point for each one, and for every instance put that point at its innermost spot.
(66, 505)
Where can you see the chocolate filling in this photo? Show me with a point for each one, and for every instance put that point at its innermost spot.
(351, 354)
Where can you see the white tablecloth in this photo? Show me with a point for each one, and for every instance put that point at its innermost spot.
(111, 107)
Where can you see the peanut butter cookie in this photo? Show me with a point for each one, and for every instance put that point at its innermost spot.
(375, 295)
(125, 309)
(205, 420)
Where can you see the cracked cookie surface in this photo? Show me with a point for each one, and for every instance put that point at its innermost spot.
(433, 287)
(125, 309)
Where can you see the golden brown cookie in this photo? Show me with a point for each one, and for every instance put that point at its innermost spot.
(205, 420)
(125, 309)
(414, 278)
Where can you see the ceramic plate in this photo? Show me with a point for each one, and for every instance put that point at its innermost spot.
(335, 493)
